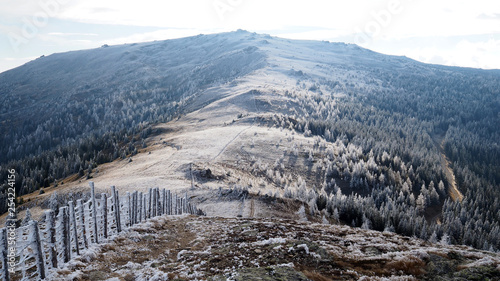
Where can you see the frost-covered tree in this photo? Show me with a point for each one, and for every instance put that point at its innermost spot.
(335, 214)
(433, 238)
(27, 218)
(367, 224)
(445, 239)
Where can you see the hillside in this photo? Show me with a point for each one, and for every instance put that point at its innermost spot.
(364, 139)
(214, 248)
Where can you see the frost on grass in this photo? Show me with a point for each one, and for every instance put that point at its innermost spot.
(302, 213)
(277, 240)
(214, 248)
(303, 246)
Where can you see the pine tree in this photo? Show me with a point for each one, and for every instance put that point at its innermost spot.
(336, 214)
(367, 224)
(445, 239)
(433, 238)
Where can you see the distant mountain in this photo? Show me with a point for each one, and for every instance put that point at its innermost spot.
(376, 141)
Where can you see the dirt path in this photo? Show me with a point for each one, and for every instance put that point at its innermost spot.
(453, 191)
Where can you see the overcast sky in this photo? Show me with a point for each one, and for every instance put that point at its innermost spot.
(460, 33)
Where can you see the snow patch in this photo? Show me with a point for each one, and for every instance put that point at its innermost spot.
(278, 240)
(303, 246)
(179, 255)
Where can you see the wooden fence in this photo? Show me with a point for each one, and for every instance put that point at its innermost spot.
(41, 246)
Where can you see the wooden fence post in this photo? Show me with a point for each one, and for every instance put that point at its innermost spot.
(40, 264)
(63, 214)
(175, 205)
(104, 198)
(139, 206)
(132, 209)
(157, 193)
(81, 222)
(51, 229)
(117, 208)
(169, 203)
(94, 211)
(136, 212)
(5, 265)
(72, 221)
(138, 201)
(150, 206)
(154, 202)
(129, 209)
(160, 202)
(174, 197)
(144, 205)
(164, 200)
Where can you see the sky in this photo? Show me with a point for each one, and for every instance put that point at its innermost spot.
(457, 33)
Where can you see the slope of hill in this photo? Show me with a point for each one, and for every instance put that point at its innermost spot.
(214, 248)
(354, 134)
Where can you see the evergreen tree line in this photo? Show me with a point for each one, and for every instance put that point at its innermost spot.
(398, 121)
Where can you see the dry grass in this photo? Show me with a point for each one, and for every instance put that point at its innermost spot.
(212, 245)
(315, 276)
(408, 265)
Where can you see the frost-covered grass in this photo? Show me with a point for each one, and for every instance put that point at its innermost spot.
(216, 248)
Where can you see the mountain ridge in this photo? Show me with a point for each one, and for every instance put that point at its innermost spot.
(346, 130)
